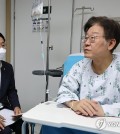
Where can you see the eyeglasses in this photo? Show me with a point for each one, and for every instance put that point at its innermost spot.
(92, 38)
(3, 44)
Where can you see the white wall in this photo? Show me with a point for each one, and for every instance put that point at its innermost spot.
(31, 88)
(2, 16)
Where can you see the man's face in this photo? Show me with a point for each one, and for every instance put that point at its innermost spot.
(2, 43)
(95, 44)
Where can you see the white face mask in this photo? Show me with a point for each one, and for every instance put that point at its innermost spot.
(2, 53)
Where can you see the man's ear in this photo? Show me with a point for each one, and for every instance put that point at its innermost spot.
(112, 44)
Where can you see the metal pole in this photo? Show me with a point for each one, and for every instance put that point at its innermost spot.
(81, 28)
(47, 60)
(83, 8)
(71, 36)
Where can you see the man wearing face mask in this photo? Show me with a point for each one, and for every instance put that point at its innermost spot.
(8, 93)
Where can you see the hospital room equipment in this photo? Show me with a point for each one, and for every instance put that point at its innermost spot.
(82, 21)
(37, 13)
(40, 115)
(75, 11)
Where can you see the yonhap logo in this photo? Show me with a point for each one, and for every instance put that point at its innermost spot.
(101, 123)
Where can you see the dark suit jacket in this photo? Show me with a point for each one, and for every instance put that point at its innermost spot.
(8, 92)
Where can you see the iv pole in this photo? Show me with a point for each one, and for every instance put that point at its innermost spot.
(83, 13)
(71, 36)
(48, 72)
(47, 60)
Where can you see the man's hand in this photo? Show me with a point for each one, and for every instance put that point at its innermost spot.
(99, 108)
(86, 107)
(17, 111)
(2, 125)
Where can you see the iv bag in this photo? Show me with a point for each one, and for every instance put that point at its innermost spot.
(37, 9)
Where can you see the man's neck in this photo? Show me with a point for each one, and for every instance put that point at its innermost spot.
(99, 66)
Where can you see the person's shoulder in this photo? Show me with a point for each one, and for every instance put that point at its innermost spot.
(6, 64)
(117, 57)
(84, 61)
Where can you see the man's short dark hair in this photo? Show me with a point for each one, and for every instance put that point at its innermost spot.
(1, 35)
(110, 26)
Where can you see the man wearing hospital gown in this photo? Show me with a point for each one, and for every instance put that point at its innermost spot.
(92, 87)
